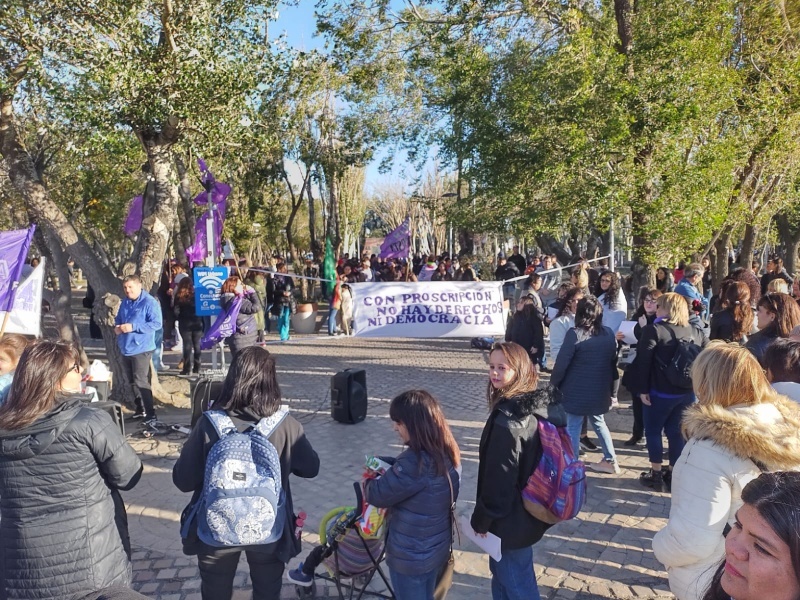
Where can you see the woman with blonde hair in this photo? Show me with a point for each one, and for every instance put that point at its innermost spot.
(508, 451)
(739, 428)
(663, 401)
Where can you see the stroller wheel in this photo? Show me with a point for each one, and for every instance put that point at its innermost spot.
(306, 592)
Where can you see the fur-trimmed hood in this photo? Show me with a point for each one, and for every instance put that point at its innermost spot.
(767, 433)
(543, 402)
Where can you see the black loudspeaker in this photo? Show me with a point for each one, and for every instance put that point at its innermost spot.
(204, 391)
(349, 396)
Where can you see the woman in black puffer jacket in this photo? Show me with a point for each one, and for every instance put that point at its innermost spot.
(63, 528)
(417, 491)
(508, 452)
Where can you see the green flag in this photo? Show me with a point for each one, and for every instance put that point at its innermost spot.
(329, 264)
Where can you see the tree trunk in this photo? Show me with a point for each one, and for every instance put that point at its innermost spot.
(159, 218)
(748, 246)
(26, 180)
(719, 260)
(551, 245)
(333, 209)
(789, 235)
(186, 213)
(61, 298)
(466, 243)
(316, 247)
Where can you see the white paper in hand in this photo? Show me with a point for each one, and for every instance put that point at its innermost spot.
(489, 544)
(626, 328)
(552, 312)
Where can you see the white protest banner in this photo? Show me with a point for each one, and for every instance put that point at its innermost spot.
(428, 310)
(26, 313)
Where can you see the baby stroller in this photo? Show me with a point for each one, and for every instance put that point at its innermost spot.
(346, 554)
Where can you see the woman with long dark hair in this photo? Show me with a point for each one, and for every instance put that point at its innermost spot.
(735, 321)
(645, 315)
(63, 528)
(508, 451)
(419, 491)
(777, 315)
(612, 299)
(250, 393)
(525, 329)
(190, 325)
(762, 549)
(584, 373)
(665, 282)
(739, 427)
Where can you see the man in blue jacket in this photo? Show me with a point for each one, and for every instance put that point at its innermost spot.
(687, 287)
(137, 321)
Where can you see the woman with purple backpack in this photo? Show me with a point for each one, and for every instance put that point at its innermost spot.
(508, 453)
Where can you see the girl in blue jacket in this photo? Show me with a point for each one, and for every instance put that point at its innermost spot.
(419, 491)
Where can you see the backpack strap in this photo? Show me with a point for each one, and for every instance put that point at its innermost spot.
(268, 424)
(222, 423)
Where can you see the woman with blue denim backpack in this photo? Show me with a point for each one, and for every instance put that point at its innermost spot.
(250, 393)
(419, 490)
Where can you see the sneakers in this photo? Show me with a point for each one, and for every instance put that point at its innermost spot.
(652, 479)
(297, 577)
(137, 415)
(588, 445)
(633, 441)
(150, 422)
(605, 466)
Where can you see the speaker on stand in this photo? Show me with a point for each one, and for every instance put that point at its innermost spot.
(349, 396)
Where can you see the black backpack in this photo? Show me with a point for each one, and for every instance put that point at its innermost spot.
(678, 370)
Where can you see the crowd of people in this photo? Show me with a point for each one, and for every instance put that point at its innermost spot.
(717, 374)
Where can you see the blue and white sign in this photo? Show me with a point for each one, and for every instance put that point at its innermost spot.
(207, 284)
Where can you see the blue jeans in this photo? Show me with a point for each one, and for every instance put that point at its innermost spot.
(414, 587)
(665, 414)
(574, 423)
(332, 321)
(157, 353)
(513, 578)
(283, 323)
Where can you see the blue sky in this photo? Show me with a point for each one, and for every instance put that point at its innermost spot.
(299, 25)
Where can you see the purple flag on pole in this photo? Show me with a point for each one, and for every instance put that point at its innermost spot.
(198, 251)
(398, 243)
(13, 250)
(133, 222)
(224, 326)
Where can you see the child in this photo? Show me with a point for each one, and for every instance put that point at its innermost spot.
(11, 348)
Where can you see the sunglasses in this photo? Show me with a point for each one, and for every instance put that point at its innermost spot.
(76, 367)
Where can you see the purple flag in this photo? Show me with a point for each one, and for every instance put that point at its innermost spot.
(133, 222)
(224, 326)
(198, 251)
(398, 243)
(13, 250)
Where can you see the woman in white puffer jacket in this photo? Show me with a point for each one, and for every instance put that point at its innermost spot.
(739, 428)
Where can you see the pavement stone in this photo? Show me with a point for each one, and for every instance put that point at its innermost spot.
(604, 553)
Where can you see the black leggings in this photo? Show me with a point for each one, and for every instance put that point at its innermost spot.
(191, 343)
(217, 571)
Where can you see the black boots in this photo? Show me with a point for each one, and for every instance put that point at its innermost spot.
(659, 481)
(196, 367)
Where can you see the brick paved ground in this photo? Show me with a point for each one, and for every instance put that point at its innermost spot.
(605, 553)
